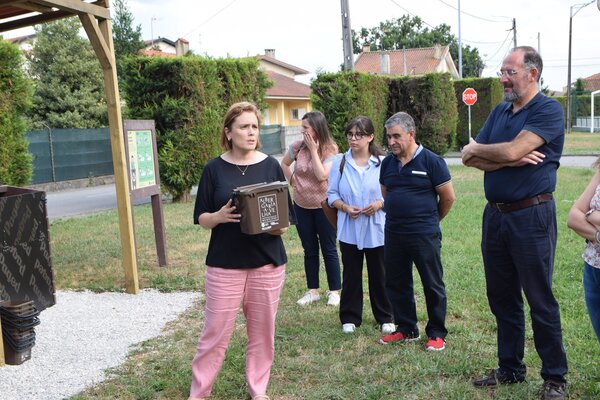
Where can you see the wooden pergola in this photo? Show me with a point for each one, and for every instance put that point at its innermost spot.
(95, 18)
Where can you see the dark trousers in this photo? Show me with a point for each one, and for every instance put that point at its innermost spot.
(425, 251)
(518, 254)
(314, 229)
(351, 303)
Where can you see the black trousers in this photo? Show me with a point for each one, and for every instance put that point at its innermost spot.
(518, 254)
(424, 250)
(351, 302)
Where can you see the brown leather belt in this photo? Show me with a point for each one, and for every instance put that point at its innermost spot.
(521, 204)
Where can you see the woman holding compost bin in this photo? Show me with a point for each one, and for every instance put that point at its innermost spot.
(242, 269)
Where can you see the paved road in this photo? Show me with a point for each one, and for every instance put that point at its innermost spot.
(76, 202)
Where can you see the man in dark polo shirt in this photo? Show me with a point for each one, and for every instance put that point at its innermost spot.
(418, 192)
(519, 148)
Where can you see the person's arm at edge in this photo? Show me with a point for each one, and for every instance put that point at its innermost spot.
(446, 198)
(286, 162)
(577, 221)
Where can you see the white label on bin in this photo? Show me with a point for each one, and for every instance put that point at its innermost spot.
(268, 211)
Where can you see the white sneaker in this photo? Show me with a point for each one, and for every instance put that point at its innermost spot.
(333, 299)
(388, 328)
(348, 328)
(308, 298)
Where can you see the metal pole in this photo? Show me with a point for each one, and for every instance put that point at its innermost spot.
(569, 73)
(469, 123)
(569, 102)
(51, 144)
(460, 66)
(515, 32)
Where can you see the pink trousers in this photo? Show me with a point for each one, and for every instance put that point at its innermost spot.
(258, 289)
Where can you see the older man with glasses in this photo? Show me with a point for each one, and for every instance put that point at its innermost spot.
(519, 148)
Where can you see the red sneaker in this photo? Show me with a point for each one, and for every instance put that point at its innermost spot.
(399, 337)
(435, 344)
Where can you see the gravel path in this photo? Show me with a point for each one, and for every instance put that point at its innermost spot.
(84, 334)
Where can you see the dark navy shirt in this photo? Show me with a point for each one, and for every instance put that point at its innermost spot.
(411, 202)
(542, 116)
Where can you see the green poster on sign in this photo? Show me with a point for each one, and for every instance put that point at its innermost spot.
(141, 159)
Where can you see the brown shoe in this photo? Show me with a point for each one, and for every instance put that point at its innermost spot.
(497, 377)
(553, 390)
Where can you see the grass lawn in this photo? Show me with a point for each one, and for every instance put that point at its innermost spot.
(314, 360)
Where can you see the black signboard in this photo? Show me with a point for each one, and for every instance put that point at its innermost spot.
(25, 260)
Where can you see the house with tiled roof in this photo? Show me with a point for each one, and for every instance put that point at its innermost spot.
(407, 61)
(287, 100)
(164, 47)
(592, 83)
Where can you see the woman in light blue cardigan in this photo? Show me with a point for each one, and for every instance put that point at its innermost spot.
(355, 191)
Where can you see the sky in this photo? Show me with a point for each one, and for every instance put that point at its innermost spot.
(308, 33)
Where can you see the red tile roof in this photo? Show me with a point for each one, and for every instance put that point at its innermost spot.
(284, 86)
(418, 61)
(592, 83)
(156, 53)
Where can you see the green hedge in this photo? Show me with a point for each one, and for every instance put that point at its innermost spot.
(187, 98)
(15, 98)
(344, 96)
(431, 101)
(489, 95)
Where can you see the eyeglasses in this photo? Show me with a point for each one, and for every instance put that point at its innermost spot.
(356, 135)
(508, 73)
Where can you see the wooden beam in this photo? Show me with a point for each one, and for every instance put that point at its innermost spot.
(2, 361)
(98, 43)
(115, 122)
(76, 7)
(25, 5)
(34, 20)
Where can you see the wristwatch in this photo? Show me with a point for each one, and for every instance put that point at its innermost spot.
(587, 214)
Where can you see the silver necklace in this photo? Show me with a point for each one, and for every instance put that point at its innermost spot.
(243, 171)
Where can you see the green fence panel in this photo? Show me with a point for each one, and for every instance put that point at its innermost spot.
(270, 139)
(66, 154)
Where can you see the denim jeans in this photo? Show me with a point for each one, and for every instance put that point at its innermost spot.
(591, 287)
(314, 229)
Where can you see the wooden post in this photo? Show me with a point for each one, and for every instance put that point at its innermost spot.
(100, 35)
(159, 231)
(2, 362)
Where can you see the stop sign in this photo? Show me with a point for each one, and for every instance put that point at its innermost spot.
(469, 96)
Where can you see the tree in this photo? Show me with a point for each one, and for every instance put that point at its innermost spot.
(126, 39)
(580, 87)
(407, 32)
(15, 97)
(69, 88)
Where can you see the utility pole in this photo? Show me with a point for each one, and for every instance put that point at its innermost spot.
(460, 71)
(577, 7)
(347, 37)
(514, 29)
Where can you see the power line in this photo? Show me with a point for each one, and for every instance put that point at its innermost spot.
(472, 15)
(413, 15)
(210, 18)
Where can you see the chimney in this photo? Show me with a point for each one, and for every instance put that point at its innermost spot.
(182, 46)
(437, 52)
(366, 48)
(385, 64)
(270, 53)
